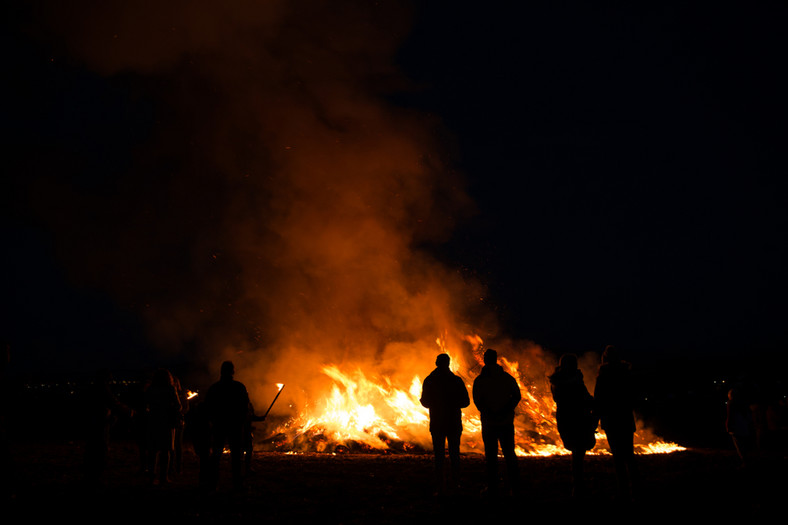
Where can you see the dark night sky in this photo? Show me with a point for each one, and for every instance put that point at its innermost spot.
(627, 167)
(630, 168)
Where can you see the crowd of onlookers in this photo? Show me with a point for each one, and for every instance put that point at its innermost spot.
(160, 415)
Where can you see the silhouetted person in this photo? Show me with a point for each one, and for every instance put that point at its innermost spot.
(248, 435)
(496, 395)
(198, 432)
(101, 411)
(614, 397)
(227, 408)
(445, 395)
(164, 410)
(575, 416)
(740, 425)
(176, 466)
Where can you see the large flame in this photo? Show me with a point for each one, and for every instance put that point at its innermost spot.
(364, 410)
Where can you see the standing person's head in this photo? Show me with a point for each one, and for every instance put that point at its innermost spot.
(490, 357)
(611, 355)
(568, 362)
(162, 378)
(228, 370)
(442, 361)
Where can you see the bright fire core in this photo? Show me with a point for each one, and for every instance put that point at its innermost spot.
(365, 412)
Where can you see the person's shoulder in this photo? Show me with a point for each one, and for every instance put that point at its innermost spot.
(240, 387)
(483, 381)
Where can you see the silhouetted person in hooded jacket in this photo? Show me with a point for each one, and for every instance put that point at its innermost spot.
(496, 394)
(227, 408)
(575, 416)
(614, 397)
(445, 395)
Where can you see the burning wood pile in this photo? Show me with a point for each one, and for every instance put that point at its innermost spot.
(366, 411)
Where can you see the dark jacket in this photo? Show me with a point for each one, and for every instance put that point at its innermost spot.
(575, 416)
(163, 410)
(227, 404)
(445, 395)
(496, 394)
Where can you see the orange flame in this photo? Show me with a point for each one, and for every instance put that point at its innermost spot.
(368, 411)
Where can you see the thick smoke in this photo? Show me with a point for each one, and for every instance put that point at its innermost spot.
(257, 196)
(278, 211)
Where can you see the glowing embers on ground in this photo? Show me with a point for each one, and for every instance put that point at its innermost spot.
(367, 412)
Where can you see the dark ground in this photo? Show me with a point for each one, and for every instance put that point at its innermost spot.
(378, 488)
(705, 482)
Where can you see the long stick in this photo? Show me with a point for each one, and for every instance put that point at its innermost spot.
(274, 401)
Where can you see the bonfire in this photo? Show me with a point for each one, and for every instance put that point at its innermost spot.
(363, 410)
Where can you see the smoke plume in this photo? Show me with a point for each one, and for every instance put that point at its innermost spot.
(278, 209)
